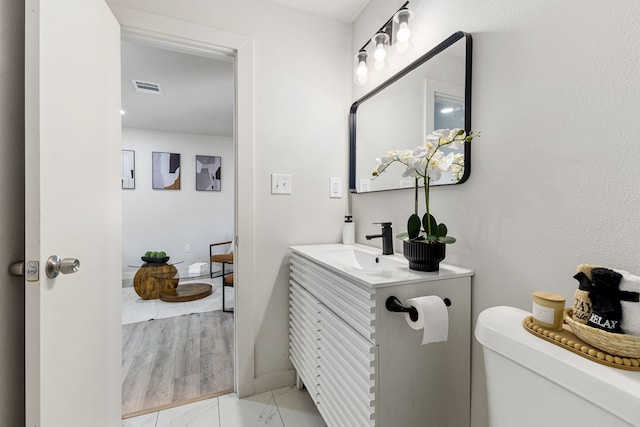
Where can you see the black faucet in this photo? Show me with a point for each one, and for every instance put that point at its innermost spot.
(387, 237)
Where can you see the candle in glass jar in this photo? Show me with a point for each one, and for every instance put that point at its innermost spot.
(548, 310)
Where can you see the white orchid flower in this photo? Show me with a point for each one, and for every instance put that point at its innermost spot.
(410, 172)
(434, 174)
(389, 157)
(405, 156)
(438, 133)
(446, 162)
(415, 166)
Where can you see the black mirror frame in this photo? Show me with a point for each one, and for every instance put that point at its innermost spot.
(415, 64)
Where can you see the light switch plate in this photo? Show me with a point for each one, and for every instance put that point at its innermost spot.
(280, 183)
(335, 188)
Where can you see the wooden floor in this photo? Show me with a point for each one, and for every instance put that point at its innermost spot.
(180, 359)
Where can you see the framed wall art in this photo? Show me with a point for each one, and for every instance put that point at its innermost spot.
(165, 169)
(208, 173)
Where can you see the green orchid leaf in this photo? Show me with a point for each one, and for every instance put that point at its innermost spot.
(426, 219)
(413, 226)
(447, 239)
(441, 230)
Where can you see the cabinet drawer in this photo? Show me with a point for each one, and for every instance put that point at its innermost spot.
(352, 302)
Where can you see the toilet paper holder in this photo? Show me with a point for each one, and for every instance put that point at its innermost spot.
(394, 304)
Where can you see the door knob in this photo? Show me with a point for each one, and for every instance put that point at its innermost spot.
(55, 266)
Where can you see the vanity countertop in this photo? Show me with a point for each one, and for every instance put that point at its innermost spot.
(367, 265)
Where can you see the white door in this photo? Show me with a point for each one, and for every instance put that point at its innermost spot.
(72, 191)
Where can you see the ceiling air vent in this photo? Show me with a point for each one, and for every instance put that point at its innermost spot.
(147, 87)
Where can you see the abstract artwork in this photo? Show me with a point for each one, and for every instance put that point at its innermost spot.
(208, 176)
(128, 169)
(165, 169)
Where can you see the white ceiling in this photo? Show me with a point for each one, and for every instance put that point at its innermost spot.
(197, 92)
(341, 10)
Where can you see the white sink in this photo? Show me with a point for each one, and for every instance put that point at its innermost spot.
(367, 264)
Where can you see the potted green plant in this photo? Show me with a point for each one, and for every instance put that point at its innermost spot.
(425, 239)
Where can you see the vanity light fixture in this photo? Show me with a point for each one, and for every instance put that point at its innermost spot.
(398, 24)
(361, 69)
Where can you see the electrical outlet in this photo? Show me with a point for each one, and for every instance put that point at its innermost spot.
(335, 188)
(187, 247)
(280, 183)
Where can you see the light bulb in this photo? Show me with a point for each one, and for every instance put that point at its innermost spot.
(401, 20)
(404, 33)
(361, 69)
(380, 41)
(380, 53)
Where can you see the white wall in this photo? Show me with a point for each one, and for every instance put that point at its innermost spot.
(170, 219)
(554, 182)
(11, 211)
(302, 69)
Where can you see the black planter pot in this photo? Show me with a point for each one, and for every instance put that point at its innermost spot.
(424, 256)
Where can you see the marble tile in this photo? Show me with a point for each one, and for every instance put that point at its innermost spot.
(297, 408)
(198, 414)
(254, 411)
(284, 407)
(147, 420)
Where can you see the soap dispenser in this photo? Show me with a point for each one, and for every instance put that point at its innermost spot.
(348, 232)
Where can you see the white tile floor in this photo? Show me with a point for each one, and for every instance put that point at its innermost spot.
(285, 407)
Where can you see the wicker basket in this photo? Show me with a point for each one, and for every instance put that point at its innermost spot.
(616, 344)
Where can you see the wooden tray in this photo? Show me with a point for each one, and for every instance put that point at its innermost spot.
(567, 340)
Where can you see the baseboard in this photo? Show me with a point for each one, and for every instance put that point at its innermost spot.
(127, 278)
(274, 380)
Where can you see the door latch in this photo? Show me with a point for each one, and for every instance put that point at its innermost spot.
(32, 270)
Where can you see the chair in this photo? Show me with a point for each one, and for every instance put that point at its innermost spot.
(224, 259)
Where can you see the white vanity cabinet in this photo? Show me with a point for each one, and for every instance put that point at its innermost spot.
(363, 365)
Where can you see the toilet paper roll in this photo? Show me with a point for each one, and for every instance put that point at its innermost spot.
(433, 318)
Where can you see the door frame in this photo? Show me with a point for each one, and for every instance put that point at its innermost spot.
(189, 37)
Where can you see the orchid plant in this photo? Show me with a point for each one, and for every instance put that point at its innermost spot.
(427, 163)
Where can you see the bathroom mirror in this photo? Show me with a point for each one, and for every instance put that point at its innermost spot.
(433, 92)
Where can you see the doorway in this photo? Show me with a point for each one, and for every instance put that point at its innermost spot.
(179, 105)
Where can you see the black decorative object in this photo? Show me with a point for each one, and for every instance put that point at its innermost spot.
(605, 297)
(424, 256)
(155, 260)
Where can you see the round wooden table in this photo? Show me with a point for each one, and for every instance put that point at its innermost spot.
(161, 280)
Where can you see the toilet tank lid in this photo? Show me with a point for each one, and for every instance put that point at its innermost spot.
(615, 390)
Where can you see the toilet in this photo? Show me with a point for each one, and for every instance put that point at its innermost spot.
(531, 382)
